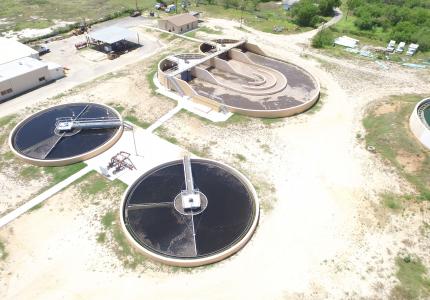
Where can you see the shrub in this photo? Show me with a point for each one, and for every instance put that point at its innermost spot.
(326, 7)
(322, 39)
(305, 13)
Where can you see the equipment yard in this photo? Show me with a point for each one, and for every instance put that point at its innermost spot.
(339, 188)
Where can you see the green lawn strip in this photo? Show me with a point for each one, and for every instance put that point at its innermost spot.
(164, 134)
(135, 120)
(389, 133)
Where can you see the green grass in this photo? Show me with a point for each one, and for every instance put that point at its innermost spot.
(30, 172)
(390, 135)
(211, 30)
(151, 73)
(264, 19)
(36, 207)
(271, 121)
(191, 34)
(167, 36)
(414, 284)
(94, 184)
(4, 121)
(376, 37)
(240, 157)
(117, 107)
(133, 119)
(162, 132)
(6, 124)
(266, 148)
(235, 119)
(392, 201)
(8, 155)
(59, 174)
(108, 219)
(101, 237)
(120, 245)
(3, 253)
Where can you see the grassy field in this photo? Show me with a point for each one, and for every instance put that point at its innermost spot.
(413, 279)
(268, 16)
(387, 126)
(19, 14)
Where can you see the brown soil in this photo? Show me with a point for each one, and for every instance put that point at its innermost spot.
(410, 162)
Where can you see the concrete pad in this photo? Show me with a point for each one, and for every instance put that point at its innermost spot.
(92, 55)
(151, 151)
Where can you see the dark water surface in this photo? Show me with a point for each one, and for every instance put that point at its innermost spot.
(156, 225)
(36, 137)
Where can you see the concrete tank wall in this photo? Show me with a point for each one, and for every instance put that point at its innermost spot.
(418, 128)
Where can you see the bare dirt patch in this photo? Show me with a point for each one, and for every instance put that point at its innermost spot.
(386, 107)
(410, 162)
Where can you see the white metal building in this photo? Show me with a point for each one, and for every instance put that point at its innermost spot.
(20, 69)
(11, 50)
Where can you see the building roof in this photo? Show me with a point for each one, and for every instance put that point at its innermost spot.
(19, 66)
(12, 50)
(289, 2)
(182, 19)
(346, 41)
(113, 34)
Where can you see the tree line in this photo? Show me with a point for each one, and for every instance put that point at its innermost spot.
(402, 20)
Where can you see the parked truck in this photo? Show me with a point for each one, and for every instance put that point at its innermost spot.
(170, 8)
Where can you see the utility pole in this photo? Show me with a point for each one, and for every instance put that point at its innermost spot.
(242, 8)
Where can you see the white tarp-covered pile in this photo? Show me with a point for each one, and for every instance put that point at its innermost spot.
(11, 50)
(346, 41)
(113, 34)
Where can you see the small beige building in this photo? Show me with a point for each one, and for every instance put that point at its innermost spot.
(178, 23)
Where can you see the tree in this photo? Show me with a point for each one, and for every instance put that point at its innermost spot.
(326, 7)
(365, 22)
(305, 13)
(323, 38)
(403, 31)
(351, 5)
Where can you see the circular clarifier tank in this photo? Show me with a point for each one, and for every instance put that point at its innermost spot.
(66, 134)
(419, 122)
(174, 224)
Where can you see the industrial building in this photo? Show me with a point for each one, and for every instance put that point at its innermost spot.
(21, 70)
(12, 50)
(114, 39)
(179, 23)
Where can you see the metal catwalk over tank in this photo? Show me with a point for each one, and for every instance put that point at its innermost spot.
(65, 131)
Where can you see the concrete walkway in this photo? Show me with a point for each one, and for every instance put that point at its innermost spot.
(43, 196)
(164, 118)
